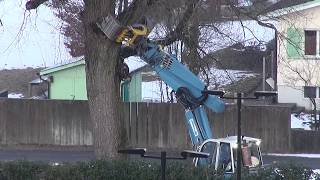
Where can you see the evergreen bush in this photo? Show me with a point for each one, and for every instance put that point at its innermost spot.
(140, 170)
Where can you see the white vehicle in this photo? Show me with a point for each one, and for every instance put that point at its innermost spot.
(223, 153)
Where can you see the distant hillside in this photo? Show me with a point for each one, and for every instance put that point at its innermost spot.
(238, 57)
(243, 58)
(16, 80)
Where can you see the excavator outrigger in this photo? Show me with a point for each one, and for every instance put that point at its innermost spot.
(191, 92)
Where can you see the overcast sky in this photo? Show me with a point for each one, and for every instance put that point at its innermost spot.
(32, 38)
(29, 39)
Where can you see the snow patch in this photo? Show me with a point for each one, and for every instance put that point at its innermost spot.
(134, 63)
(299, 123)
(295, 155)
(15, 96)
(302, 121)
(219, 78)
(316, 173)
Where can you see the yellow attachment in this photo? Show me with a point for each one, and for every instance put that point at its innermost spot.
(131, 33)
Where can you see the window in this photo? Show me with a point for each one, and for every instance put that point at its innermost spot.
(310, 92)
(311, 42)
(225, 161)
(211, 149)
(297, 38)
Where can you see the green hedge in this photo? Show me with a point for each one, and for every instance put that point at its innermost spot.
(123, 170)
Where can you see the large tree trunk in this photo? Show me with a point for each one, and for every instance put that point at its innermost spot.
(191, 40)
(103, 83)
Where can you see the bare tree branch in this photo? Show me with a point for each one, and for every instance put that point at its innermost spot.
(178, 32)
(135, 11)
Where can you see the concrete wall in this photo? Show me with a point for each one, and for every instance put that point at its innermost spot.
(66, 123)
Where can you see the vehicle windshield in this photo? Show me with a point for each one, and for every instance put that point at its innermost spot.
(225, 161)
(211, 149)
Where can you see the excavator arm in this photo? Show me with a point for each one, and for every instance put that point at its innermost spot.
(188, 87)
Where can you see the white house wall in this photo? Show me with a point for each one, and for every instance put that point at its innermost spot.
(294, 72)
(287, 94)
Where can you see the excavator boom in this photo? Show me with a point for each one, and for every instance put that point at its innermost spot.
(187, 86)
(190, 91)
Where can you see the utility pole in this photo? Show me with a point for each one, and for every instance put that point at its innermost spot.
(239, 98)
(272, 65)
(264, 73)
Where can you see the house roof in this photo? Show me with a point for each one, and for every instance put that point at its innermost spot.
(286, 3)
(135, 64)
(284, 7)
(38, 80)
(62, 67)
(142, 68)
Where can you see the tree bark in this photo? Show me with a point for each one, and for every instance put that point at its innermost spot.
(191, 40)
(103, 84)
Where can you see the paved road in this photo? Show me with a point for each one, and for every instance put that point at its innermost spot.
(46, 155)
(63, 156)
(313, 163)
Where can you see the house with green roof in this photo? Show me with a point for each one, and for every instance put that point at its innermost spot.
(68, 82)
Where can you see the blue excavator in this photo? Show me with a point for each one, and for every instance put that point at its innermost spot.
(190, 91)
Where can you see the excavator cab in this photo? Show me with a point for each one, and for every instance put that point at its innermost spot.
(223, 154)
